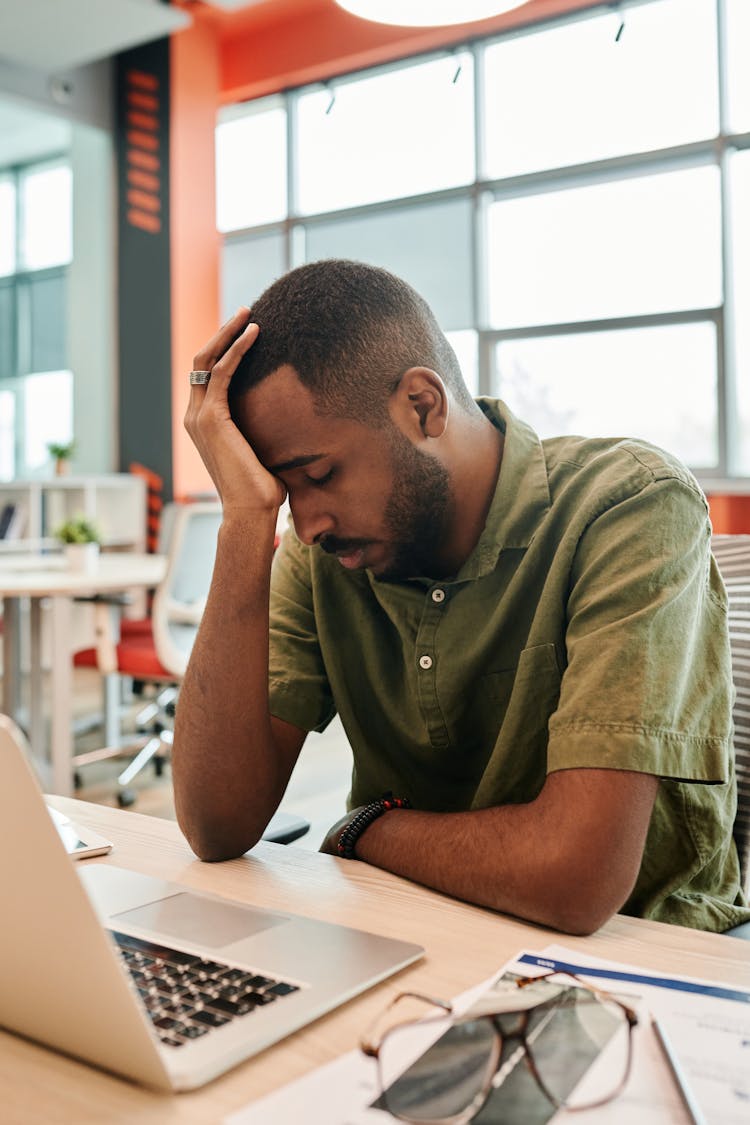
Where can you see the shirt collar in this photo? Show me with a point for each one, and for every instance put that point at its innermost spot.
(522, 497)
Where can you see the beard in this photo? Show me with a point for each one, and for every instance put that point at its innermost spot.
(416, 514)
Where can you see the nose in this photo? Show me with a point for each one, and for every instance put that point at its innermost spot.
(311, 519)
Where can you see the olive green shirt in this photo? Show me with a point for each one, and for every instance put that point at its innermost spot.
(587, 628)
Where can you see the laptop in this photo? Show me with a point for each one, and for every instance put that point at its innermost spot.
(162, 985)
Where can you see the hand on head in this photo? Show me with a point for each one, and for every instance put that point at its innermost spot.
(239, 477)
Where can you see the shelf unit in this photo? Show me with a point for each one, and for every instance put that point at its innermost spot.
(115, 501)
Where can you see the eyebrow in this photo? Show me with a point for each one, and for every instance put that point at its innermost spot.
(296, 462)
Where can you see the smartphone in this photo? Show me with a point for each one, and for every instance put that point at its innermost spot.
(79, 842)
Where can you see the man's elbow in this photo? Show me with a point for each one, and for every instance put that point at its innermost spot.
(580, 900)
(215, 843)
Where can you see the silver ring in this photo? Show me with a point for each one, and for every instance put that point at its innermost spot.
(199, 378)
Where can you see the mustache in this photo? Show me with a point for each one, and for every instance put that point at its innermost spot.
(332, 545)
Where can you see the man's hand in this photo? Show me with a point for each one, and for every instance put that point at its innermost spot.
(241, 481)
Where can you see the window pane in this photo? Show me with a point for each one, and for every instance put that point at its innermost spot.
(573, 94)
(47, 297)
(653, 383)
(248, 266)
(738, 73)
(466, 346)
(48, 414)
(46, 217)
(740, 204)
(7, 331)
(251, 167)
(7, 226)
(7, 435)
(622, 248)
(397, 133)
(429, 246)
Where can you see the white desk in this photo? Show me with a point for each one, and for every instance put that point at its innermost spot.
(464, 945)
(47, 576)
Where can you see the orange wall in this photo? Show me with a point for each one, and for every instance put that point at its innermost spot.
(730, 513)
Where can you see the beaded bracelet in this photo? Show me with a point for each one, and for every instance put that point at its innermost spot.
(363, 819)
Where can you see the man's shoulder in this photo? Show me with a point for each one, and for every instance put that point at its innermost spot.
(626, 464)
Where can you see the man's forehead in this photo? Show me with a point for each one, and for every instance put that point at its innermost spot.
(279, 419)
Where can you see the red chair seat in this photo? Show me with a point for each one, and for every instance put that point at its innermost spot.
(136, 656)
(135, 627)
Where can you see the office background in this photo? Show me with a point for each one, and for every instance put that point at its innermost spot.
(566, 184)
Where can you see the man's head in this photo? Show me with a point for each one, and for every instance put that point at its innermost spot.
(345, 397)
(349, 330)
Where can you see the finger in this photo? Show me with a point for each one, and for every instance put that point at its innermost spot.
(224, 369)
(205, 359)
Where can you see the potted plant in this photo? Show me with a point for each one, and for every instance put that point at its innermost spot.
(81, 540)
(62, 451)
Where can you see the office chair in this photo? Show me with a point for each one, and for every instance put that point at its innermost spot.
(156, 650)
(732, 554)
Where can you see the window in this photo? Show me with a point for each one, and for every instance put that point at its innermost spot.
(657, 383)
(738, 76)
(614, 248)
(36, 243)
(739, 380)
(46, 235)
(572, 198)
(251, 171)
(576, 92)
(400, 132)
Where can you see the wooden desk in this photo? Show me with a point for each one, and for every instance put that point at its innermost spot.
(47, 576)
(464, 945)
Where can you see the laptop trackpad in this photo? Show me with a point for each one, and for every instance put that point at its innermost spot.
(190, 917)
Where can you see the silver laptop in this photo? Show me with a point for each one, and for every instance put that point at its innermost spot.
(143, 977)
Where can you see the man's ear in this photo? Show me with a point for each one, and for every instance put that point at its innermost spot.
(419, 404)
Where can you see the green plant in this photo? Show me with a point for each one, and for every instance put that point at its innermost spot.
(61, 450)
(78, 529)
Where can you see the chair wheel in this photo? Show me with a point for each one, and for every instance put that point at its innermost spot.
(126, 798)
(158, 765)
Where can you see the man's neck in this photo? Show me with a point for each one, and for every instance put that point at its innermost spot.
(477, 458)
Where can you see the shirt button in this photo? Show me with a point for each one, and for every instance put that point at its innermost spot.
(438, 596)
(425, 662)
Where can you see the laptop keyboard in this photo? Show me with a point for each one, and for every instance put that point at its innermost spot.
(187, 996)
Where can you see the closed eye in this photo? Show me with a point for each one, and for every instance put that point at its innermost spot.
(319, 482)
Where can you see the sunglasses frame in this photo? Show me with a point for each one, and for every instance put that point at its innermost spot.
(372, 1046)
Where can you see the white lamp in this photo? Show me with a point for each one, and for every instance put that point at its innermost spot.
(427, 13)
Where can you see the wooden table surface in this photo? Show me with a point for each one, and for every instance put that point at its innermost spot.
(464, 945)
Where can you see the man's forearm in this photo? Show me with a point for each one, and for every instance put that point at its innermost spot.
(567, 860)
(227, 778)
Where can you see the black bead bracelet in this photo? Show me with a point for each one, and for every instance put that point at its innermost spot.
(363, 819)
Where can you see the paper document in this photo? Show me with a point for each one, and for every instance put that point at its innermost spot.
(345, 1091)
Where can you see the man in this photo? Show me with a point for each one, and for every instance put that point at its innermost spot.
(526, 641)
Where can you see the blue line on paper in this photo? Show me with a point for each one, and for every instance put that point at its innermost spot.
(676, 984)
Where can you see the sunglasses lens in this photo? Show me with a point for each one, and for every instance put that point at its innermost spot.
(580, 1046)
(446, 1079)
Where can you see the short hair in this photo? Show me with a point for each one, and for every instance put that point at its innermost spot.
(350, 331)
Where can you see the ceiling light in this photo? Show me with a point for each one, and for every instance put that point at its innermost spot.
(427, 13)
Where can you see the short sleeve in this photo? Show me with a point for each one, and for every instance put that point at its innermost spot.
(298, 686)
(647, 685)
